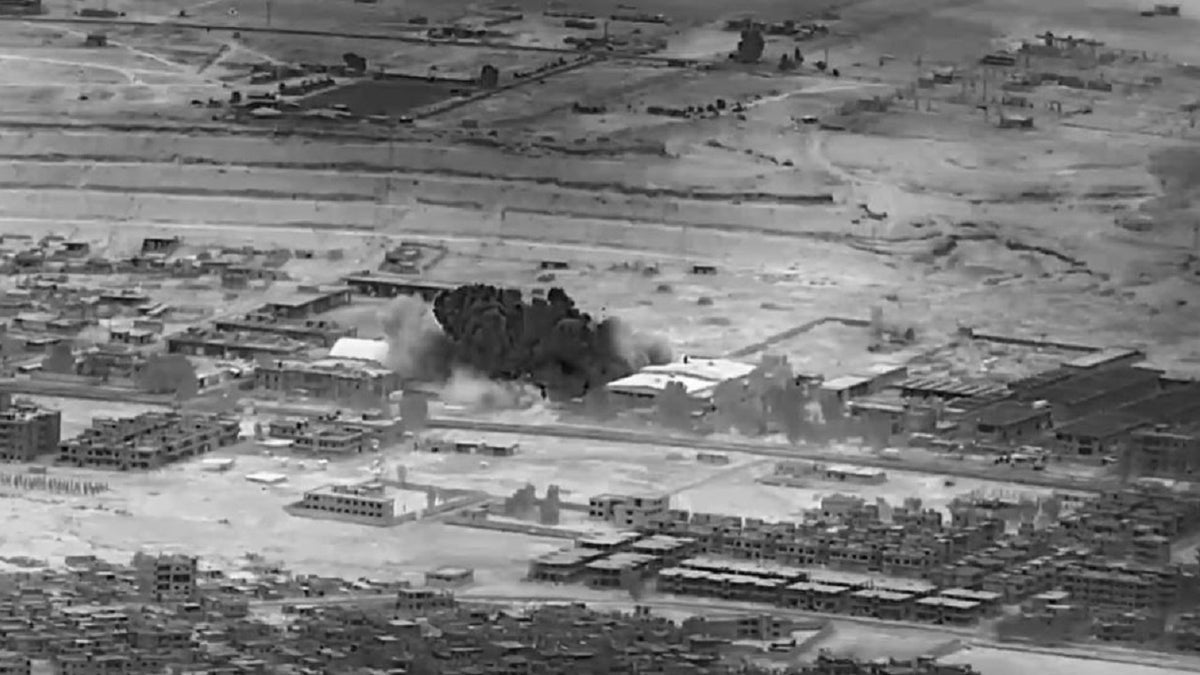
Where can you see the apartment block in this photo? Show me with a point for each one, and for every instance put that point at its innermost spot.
(27, 431)
(167, 577)
(1167, 451)
(628, 511)
(148, 441)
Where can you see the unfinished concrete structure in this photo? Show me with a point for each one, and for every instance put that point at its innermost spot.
(167, 577)
(148, 441)
(337, 434)
(27, 431)
(370, 503)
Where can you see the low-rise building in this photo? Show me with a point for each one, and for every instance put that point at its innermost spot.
(332, 379)
(315, 332)
(565, 566)
(148, 441)
(383, 285)
(618, 570)
(628, 511)
(218, 344)
(424, 600)
(372, 503)
(1166, 451)
(1010, 421)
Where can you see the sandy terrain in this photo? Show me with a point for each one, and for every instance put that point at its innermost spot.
(933, 213)
(755, 500)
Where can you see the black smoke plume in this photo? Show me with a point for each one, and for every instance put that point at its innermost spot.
(546, 341)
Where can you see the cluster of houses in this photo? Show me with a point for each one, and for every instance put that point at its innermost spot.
(170, 613)
(1111, 552)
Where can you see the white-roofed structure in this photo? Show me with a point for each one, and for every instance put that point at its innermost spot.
(360, 349)
(698, 376)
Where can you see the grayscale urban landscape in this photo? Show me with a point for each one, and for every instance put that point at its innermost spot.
(548, 337)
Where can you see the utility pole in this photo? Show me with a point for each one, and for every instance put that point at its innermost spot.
(269, 2)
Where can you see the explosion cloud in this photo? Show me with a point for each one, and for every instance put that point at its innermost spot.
(549, 342)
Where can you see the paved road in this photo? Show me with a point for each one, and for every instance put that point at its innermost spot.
(963, 469)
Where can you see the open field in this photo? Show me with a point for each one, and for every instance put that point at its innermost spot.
(587, 469)
(752, 499)
(182, 508)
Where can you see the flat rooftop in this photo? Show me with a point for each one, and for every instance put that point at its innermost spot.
(1006, 413)
(1088, 385)
(1103, 356)
(948, 386)
(622, 561)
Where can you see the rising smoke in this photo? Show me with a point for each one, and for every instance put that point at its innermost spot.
(476, 337)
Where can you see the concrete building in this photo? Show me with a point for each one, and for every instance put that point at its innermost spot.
(1010, 421)
(948, 389)
(333, 440)
(619, 570)
(1102, 434)
(371, 503)
(423, 600)
(167, 577)
(307, 302)
(1166, 451)
(628, 511)
(331, 379)
(358, 433)
(217, 344)
(1113, 357)
(1077, 395)
(314, 332)
(565, 566)
(148, 441)
(698, 376)
(383, 285)
(27, 431)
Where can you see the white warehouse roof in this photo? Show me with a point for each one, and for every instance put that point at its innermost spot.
(698, 376)
(360, 349)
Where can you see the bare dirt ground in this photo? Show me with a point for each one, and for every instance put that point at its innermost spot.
(934, 213)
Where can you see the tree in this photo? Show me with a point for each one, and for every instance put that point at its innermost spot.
(60, 360)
